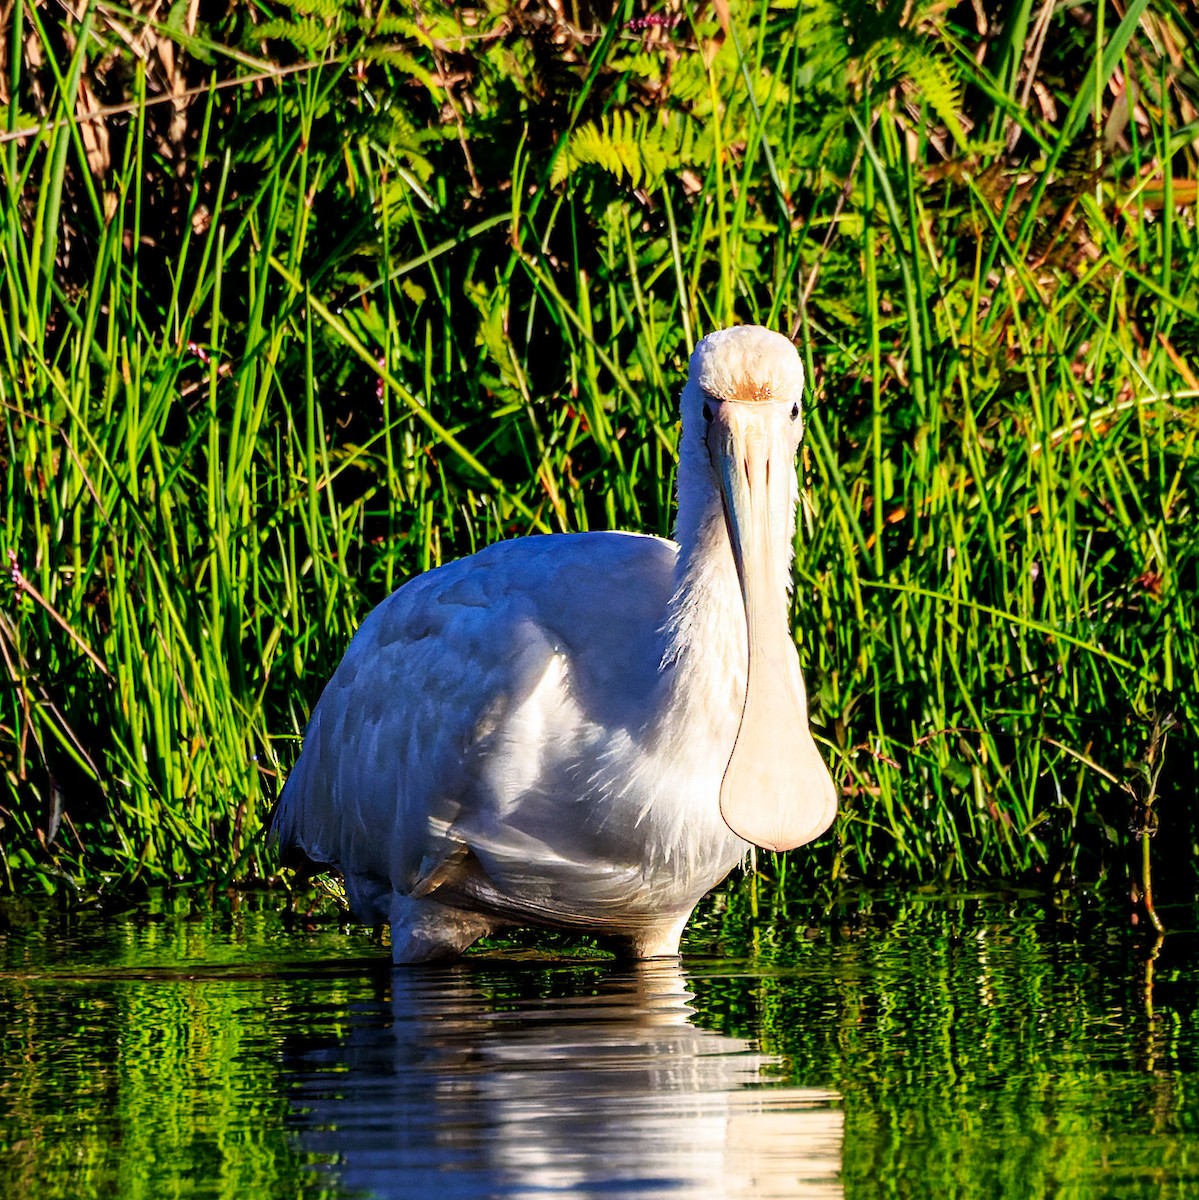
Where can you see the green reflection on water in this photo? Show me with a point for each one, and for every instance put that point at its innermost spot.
(121, 1082)
(981, 1047)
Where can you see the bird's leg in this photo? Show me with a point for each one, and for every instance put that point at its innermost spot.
(424, 931)
(659, 940)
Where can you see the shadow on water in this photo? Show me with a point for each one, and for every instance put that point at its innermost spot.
(480, 1081)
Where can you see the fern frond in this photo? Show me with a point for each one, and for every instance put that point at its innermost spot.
(934, 80)
(404, 61)
(393, 26)
(641, 150)
(328, 11)
(311, 36)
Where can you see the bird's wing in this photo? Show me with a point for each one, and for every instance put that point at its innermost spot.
(464, 707)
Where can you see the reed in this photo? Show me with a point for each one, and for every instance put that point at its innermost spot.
(410, 290)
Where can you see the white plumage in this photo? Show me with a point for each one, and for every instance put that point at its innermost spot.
(582, 730)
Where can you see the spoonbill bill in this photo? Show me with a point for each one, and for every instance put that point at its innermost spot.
(582, 731)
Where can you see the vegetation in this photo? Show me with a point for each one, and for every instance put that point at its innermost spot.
(300, 298)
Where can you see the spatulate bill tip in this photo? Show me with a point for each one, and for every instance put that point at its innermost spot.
(780, 819)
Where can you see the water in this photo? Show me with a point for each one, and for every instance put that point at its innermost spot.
(967, 1047)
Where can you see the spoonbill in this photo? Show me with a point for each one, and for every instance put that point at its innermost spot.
(582, 731)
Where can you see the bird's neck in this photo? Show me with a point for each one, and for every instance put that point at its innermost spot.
(706, 644)
(695, 714)
(705, 631)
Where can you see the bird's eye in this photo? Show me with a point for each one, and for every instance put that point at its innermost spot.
(794, 411)
(707, 413)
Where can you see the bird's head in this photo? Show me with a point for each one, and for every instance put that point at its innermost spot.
(747, 365)
(743, 399)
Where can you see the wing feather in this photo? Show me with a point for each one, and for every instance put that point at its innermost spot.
(468, 711)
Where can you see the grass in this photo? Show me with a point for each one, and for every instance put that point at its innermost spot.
(357, 320)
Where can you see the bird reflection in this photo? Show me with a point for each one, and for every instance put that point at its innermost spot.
(468, 1083)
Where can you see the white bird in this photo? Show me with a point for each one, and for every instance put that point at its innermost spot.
(582, 731)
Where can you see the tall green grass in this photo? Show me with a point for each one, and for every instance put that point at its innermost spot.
(388, 318)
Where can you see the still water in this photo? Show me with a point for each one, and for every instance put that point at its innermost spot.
(935, 1046)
